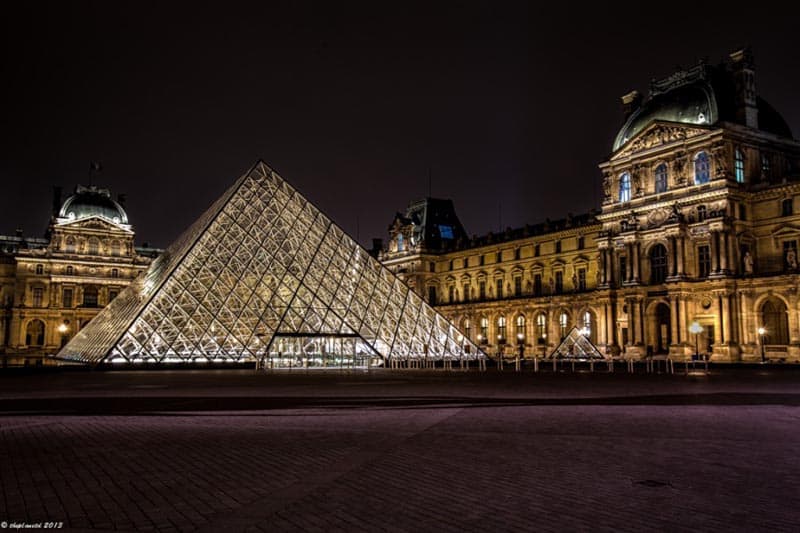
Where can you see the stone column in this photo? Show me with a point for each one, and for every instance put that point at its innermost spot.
(638, 337)
(603, 266)
(726, 317)
(683, 323)
(714, 253)
(635, 267)
(723, 251)
(748, 326)
(721, 338)
(671, 256)
(680, 245)
(673, 318)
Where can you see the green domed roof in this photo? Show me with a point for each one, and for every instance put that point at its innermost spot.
(690, 104)
(90, 202)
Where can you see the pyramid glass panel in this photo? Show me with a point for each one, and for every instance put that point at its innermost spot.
(262, 274)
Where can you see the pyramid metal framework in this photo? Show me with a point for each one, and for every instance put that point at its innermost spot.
(576, 346)
(263, 273)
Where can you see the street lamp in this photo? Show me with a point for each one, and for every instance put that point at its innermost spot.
(521, 344)
(63, 328)
(761, 332)
(697, 329)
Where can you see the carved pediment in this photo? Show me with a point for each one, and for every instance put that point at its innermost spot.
(93, 223)
(656, 134)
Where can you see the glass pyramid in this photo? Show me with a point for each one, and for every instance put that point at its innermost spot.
(576, 346)
(264, 274)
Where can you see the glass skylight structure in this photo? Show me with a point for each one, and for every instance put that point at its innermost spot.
(264, 275)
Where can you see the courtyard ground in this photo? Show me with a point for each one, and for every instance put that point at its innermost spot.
(235, 450)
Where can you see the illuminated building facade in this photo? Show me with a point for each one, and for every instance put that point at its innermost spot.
(264, 276)
(51, 287)
(698, 227)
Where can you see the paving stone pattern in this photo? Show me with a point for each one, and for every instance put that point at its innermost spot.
(234, 451)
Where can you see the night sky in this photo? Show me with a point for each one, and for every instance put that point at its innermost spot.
(510, 107)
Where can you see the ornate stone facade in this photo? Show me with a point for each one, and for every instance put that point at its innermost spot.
(50, 288)
(699, 223)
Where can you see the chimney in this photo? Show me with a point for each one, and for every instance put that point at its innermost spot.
(630, 103)
(56, 200)
(743, 68)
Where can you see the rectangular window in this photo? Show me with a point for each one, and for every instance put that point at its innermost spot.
(432, 266)
(452, 294)
(623, 269)
(742, 212)
(499, 258)
(581, 279)
(111, 295)
(66, 300)
(537, 284)
(465, 293)
(786, 207)
(517, 254)
(558, 247)
(38, 294)
(703, 261)
(482, 290)
(518, 286)
(482, 260)
(498, 284)
(559, 282)
(451, 264)
(432, 295)
(536, 250)
(580, 243)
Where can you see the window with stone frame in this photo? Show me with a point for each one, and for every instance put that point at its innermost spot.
(541, 328)
(625, 187)
(661, 178)
(465, 292)
(559, 282)
(581, 279)
(482, 290)
(703, 261)
(787, 207)
(498, 288)
(38, 297)
(537, 284)
(702, 168)
(518, 286)
(738, 166)
(452, 294)
(66, 298)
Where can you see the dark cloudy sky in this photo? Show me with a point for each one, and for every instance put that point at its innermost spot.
(510, 106)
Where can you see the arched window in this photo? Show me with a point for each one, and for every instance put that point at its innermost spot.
(501, 328)
(702, 168)
(776, 321)
(738, 165)
(587, 321)
(541, 328)
(483, 336)
(70, 245)
(90, 297)
(34, 333)
(563, 322)
(625, 187)
(658, 264)
(661, 178)
(94, 246)
(520, 327)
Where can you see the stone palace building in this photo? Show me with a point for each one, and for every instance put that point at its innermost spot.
(51, 287)
(698, 228)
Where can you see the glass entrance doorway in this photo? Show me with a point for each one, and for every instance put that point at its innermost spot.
(304, 351)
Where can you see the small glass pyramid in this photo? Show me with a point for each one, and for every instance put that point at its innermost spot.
(264, 274)
(576, 345)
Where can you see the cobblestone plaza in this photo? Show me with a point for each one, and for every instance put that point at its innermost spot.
(401, 451)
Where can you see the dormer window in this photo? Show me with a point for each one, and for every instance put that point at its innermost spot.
(625, 187)
(702, 168)
(661, 178)
(738, 166)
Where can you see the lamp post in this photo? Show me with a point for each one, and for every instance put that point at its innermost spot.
(63, 328)
(521, 345)
(761, 332)
(697, 329)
